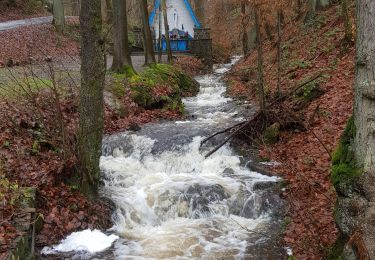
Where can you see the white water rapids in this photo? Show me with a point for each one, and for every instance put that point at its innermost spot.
(171, 202)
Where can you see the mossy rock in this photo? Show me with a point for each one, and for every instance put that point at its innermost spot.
(147, 87)
(344, 169)
(143, 85)
(272, 133)
(309, 92)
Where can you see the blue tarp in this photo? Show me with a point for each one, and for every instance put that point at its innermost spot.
(188, 6)
(176, 45)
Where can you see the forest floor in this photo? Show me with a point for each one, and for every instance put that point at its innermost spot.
(303, 157)
(33, 152)
(22, 11)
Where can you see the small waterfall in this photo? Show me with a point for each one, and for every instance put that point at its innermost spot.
(172, 203)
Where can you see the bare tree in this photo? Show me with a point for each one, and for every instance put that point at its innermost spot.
(91, 104)
(279, 15)
(260, 89)
(148, 46)
(160, 41)
(199, 10)
(58, 15)
(347, 25)
(166, 27)
(311, 12)
(121, 57)
(245, 38)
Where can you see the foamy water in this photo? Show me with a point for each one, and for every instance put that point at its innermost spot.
(171, 202)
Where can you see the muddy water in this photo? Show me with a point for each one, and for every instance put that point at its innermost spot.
(172, 203)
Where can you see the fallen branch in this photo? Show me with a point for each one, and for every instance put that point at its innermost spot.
(221, 132)
(227, 139)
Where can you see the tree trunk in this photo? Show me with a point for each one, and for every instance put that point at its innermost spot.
(365, 85)
(160, 42)
(260, 61)
(268, 29)
(364, 116)
(91, 103)
(104, 7)
(345, 14)
(299, 9)
(76, 6)
(58, 15)
(144, 45)
(245, 38)
(166, 26)
(199, 10)
(148, 46)
(279, 14)
(121, 59)
(311, 12)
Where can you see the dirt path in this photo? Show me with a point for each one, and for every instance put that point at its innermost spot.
(66, 71)
(4, 26)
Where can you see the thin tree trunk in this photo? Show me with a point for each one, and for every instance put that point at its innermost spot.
(121, 59)
(166, 27)
(260, 61)
(103, 8)
(91, 119)
(199, 10)
(76, 6)
(149, 48)
(278, 52)
(58, 15)
(312, 11)
(347, 25)
(245, 39)
(160, 42)
(299, 9)
(268, 30)
(144, 45)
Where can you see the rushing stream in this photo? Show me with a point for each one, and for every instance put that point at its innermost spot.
(172, 203)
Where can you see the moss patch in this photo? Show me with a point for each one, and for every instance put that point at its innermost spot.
(26, 86)
(117, 85)
(161, 86)
(271, 134)
(309, 92)
(344, 168)
(335, 251)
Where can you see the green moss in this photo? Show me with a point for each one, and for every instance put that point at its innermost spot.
(127, 71)
(143, 84)
(24, 87)
(334, 252)
(299, 64)
(309, 92)
(142, 94)
(117, 85)
(271, 134)
(344, 169)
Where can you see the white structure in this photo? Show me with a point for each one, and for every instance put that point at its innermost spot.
(180, 16)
